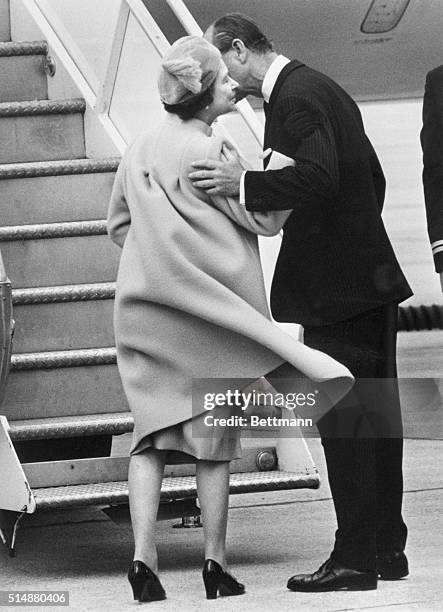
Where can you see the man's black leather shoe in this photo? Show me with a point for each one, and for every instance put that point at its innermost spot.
(393, 566)
(332, 576)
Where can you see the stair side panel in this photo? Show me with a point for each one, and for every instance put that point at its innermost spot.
(15, 492)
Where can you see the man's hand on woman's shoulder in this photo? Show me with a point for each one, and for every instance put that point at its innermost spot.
(219, 176)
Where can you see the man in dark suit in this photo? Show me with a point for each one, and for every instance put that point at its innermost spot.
(432, 144)
(336, 274)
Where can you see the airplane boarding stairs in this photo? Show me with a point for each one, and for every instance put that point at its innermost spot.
(63, 400)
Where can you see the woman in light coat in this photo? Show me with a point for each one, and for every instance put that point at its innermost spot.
(190, 303)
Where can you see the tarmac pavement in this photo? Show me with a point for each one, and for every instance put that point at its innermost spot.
(271, 536)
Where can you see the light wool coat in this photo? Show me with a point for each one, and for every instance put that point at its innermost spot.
(190, 299)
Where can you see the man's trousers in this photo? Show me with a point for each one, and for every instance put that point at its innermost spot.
(364, 468)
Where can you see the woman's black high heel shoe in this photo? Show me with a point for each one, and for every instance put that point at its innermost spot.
(145, 584)
(218, 581)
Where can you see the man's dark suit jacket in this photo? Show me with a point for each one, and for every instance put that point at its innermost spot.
(336, 260)
(432, 145)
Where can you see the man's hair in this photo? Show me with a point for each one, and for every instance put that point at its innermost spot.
(235, 25)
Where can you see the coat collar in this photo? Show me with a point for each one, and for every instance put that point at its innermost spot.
(293, 65)
(271, 76)
(287, 70)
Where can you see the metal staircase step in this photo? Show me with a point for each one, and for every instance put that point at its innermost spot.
(63, 293)
(33, 393)
(63, 317)
(58, 191)
(63, 325)
(23, 48)
(22, 69)
(52, 498)
(29, 249)
(49, 360)
(42, 231)
(63, 383)
(58, 168)
(69, 426)
(114, 467)
(59, 261)
(42, 130)
(32, 108)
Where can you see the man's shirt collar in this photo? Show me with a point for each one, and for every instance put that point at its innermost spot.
(272, 75)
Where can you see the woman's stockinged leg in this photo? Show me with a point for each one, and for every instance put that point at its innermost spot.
(145, 478)
(213, 495)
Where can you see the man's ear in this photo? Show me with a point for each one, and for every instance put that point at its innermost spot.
(240, 49)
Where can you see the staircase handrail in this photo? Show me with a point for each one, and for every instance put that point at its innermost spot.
(99, 97)
(3, 276)
(6, 327)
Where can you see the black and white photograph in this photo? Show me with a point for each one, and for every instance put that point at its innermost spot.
(221, 305)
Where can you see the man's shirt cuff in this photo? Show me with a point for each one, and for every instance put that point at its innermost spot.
(437, 252)
(242, 189)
